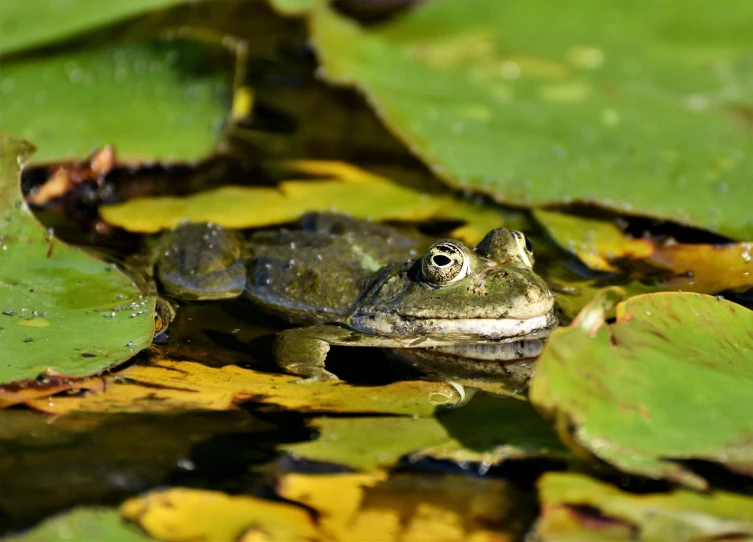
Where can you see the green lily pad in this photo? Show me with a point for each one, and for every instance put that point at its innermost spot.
(664, 382)
(487, 431)
(37, 22)
(641, 108)
(292, 7)
(369, 442)
(575, 507)
(82, 524)
(63, 311)
(136, 97)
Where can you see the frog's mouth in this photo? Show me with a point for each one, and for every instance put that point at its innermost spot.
(424, 332)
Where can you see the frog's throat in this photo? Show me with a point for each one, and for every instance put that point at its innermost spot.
(491, 329)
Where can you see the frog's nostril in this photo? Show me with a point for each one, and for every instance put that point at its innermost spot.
(497, 273)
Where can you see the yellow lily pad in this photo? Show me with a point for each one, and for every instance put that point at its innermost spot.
(696, 267)
(405, 507)
(164, 386)
(597, 243)
(350, 190)
(190, 514)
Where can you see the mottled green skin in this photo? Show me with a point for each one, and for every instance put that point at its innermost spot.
(491, 291)
(356, 283)
(200, 261)
(316, 274)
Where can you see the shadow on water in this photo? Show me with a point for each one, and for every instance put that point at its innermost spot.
(105, 458)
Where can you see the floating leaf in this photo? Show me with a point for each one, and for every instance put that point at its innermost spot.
(405, 507)
(191, 514)
(63, 311)
(664, 382)
(574, 295)
(575, 507)
(705, 268)
(353, 191)
(367, 443)
(164, 386)
(488, 431)
(137, 97)
(643, 109)
(32, 23)
(573, 290)
(292, 7)
(596, 242)
(81, 525)
(696, 267)
(498, 428)
(350, 507)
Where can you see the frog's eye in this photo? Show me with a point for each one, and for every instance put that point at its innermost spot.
(444, 263)
(525, 248)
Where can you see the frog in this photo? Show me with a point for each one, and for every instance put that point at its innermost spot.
(446, 308)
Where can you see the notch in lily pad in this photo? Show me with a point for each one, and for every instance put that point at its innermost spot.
(64, 312)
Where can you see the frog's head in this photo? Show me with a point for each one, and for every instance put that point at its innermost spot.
(453, 291)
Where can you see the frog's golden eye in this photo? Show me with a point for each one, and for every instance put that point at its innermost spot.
(525, 248)
(444, 263)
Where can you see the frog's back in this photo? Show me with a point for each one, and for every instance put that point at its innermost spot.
(317, 273)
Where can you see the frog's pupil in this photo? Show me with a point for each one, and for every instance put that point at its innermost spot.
(441, 260)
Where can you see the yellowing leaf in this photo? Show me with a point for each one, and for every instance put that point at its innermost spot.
(703, 268)
(351, 191)
(181, 385)
(188, 514)
(405, 508)
(596, 242)
(706, 268)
